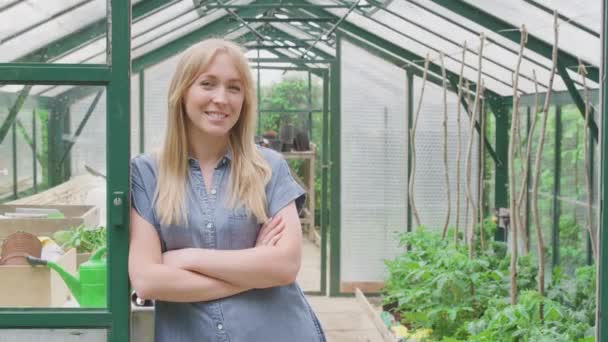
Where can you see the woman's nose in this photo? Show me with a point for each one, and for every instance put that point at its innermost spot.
(220, 95)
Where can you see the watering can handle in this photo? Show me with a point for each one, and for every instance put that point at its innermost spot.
(36, 261)
(99, 253)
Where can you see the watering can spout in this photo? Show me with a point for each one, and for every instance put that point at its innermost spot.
(72, 282)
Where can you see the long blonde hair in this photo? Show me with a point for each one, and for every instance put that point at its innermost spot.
(249, 171)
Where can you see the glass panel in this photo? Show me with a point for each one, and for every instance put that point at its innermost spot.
(53, 335)
(156, 88)
(163, 34)
(430, 191)
(374, 129)
(44, 24)
(504, 57)
(540, 24)
(61, 215)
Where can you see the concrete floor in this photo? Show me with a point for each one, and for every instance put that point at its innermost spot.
(343, 319)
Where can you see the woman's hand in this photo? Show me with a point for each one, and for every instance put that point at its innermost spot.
(271, 232)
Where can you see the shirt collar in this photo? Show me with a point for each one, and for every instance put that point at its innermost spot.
(225, 159)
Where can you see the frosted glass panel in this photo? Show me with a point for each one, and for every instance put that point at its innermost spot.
(430, 192)
(374, 165)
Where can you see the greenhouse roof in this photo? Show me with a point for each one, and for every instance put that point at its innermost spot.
(73, 32)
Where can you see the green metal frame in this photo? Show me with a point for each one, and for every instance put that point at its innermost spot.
(334, 143)
(602, 271)
(557, 164)
(115, 319)
(501, 180)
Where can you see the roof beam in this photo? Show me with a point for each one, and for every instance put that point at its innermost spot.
(511, 32)
(577, 98)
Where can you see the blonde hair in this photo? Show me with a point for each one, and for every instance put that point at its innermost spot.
(249, 171)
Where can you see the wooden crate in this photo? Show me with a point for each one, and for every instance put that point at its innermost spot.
(27, 286)
(74, 215)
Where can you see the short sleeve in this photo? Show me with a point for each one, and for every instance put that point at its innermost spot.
(283, 189)
(142, 189)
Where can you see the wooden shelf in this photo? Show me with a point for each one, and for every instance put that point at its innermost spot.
(307, 181)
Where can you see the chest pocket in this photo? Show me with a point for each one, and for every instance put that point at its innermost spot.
(242, 228)
(178, 236)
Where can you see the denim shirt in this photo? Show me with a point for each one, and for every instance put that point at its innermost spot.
(260, 315)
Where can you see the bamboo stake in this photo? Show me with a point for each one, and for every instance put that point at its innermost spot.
(514, 216)
(445, 148)
(459, 144)
(536, 179)
(467, 207)
(478, 94)
(413, 142)
(583, 72)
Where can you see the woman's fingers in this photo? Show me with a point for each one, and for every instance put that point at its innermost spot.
(275, 239)
(269, 226)
(274, 232)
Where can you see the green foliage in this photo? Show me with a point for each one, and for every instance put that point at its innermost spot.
(433, 284)
(521, 322)
(85, 240)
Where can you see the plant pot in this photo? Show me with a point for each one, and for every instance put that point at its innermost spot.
(19, 245)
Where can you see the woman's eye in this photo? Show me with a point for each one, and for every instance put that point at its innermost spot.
(206, 84)
(235, 88)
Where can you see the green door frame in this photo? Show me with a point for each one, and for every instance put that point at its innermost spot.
(114, 318)
(602, 272)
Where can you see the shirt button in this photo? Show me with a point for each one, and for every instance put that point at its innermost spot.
(220, 326)
(209, 225)
(213, 191)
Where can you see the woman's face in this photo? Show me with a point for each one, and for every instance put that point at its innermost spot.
(214, 101)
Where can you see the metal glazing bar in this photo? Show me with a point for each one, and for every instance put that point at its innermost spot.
(324, 181)
(34, 151)
(12, 114)
(44, 21)
(14, 151)
(601, 322)
(73, 74)
(142, 113)
(410, 116)
(239, 19)
(332, 29)
(86, 117)
(556, 186)
(91, 32)
(310, 106)
(563, 17)
(303, 5)
(576, 97)
(286, 20)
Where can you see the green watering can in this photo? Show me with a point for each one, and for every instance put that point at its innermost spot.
(89, 288)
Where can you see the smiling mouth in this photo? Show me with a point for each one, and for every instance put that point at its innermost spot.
(216, 115)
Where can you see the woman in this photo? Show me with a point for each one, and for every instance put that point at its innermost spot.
(215, 233)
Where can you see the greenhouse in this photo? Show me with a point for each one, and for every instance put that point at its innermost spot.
(453, 155)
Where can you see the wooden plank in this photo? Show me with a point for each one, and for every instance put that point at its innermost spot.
(373, 315)
(365, 286)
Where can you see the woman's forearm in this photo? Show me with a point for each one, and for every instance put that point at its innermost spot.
(166, 283)
(258, 267)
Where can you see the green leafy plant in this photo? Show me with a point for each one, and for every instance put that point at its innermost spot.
(83, 239)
